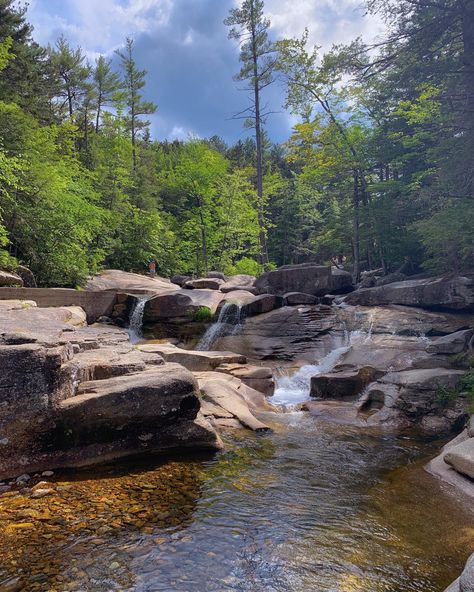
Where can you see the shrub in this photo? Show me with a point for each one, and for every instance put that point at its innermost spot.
(202, 315)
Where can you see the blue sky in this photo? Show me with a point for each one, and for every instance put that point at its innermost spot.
(190, 61)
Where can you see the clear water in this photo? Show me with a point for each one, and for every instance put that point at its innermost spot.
(229, 323)
(136, 319)
(310, 507)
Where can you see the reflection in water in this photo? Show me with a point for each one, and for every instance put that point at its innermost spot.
(309, 507)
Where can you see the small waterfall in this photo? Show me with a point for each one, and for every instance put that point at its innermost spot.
(291, 390)
(230, 322)
(136, 319)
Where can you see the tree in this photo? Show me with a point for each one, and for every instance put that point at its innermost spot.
(250, 28)
(107, 84)
(72, 72)
(134, 82)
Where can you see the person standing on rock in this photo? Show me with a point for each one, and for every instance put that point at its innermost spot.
(339, 260)
(152, 268)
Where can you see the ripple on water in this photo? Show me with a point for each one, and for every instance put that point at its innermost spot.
(316, 507)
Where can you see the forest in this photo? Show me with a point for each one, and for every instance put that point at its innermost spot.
(379, 168)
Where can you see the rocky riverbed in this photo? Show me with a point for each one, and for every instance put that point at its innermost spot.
(80, 388)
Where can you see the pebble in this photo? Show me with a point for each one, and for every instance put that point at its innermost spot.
(23, 478)
(38, 493)
(114, 566)
(47, 473)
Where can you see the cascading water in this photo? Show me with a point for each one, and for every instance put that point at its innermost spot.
(291, 390)
(136, 319)
(230, 322)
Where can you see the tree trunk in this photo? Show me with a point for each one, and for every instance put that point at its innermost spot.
(258, 143)
(356, 228)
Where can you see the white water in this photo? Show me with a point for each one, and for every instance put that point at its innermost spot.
(295, 389)
(229, 323)
(136, 319)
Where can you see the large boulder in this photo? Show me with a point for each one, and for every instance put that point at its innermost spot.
(300, 333)
(453, 343)
(447, 292)
(154, 410)
(181, 304)
(341, 281)
(122, 281)
(343, 384)
(9, 279)
(259, 378)
(466, 581)
(297, 298)
(307, 277)
(239, 282)
(461, 458)
(27, 276)
(204, 284)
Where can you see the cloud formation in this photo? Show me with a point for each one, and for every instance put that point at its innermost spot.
(190, 61)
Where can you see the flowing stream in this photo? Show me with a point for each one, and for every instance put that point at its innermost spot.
(229, 322)
(136, 319)
(310, 507)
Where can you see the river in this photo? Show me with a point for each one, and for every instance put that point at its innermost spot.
(309, 507)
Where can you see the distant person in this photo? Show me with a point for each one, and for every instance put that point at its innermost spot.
(152, 268)
(339, 261)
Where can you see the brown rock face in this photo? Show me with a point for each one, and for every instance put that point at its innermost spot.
(181, 304)
(121, 281)
(455, 293)
(239, 282)
(343, 385)
(204, 284)
(308, 278)
(8, 279)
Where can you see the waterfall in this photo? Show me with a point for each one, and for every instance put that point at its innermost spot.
(291, 390)
(136, 319)
(230, 322)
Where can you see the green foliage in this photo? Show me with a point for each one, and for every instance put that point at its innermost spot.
(202, 315)
(467, 385)
(244, 266)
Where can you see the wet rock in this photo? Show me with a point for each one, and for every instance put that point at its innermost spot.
(296, 298)
(11, 585)
(307, 277)
(39, 493)
(204, 284)
(239, 282)
(454, 343)
(461, 458)
(286, 333)
(343, 384)
(449, 292)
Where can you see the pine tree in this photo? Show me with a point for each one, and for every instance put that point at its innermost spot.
(107, 83)
(250, 28)
(134, 82)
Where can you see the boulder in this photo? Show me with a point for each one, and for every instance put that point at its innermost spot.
(300, 333)
(222, 393)
(466, 581)
(308, 278)
(454, 587)
(454, 343)
(345, 384)
(470, 427)
(217, 274)
(181, 303)
(390, 278)
(259, 378)
(204, 284)
(27, 276)
(154, 410)
(199, 361)
(122, 281)
(297, 298)
(341, 281)
(259, 305)
(239, 282)
(9, 279)
(448, 292)
(461, 458)
(180, 280)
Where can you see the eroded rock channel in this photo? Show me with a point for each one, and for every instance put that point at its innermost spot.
(299, 441)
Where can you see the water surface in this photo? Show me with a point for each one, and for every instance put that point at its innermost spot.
(311, 507)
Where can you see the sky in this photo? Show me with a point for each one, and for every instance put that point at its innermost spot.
(183, 45)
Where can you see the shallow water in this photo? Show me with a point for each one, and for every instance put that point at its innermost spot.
(310, 507)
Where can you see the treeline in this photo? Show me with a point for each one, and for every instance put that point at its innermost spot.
(379, 169)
